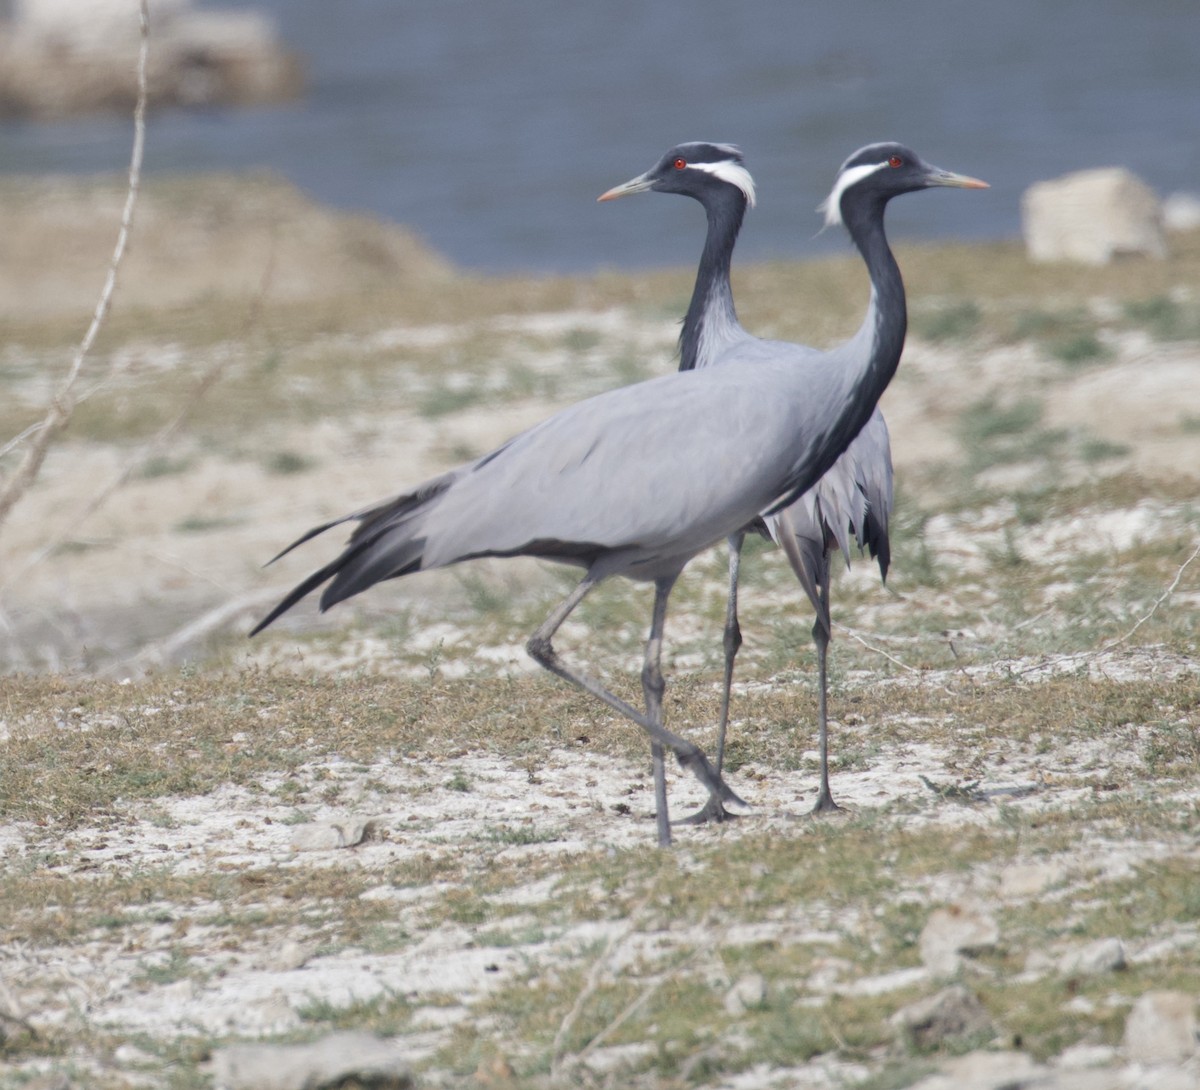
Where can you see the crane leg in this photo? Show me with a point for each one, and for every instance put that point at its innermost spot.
(653, 687)
(689, 755)
(821, 636)
(713, 810)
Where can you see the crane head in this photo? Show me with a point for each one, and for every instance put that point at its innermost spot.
(693, 169)
(879, 172)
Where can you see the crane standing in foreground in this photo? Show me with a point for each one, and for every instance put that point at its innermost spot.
(854, 496)
(639, 480)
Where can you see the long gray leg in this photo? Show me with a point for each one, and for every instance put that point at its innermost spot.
(713, 810)
(689, 755)
(821, 635)
(733, 639)
(653, 687)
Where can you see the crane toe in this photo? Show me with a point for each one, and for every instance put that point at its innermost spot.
(712, 811)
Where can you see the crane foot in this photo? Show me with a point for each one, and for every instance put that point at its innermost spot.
(826, 805)
(694, 761)
(713, 810)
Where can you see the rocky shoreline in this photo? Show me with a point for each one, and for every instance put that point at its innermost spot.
(69, 58)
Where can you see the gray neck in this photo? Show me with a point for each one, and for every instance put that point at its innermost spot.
(867, 362)
(711, 319)
(880, 339)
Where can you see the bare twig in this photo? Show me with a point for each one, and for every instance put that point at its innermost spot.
(589, 987)
(1077, 657)
(20, 438)
(878, 650)
(558, 1061)
(643, 997)
(167, 649)
(1086, 656)
(1157, 602)
(58, 414)
(206, 382)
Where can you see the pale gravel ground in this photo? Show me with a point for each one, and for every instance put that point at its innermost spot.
(257, 987)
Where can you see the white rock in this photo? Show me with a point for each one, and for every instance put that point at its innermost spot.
(317, 837)
(327, 835)
(127, 1055)
(331, 1061)
(1029, 879)
(1161, 1028)
(1165, 948)
(1091, 216)
(268, 1016)
(954, 1014)
(614, 1059)
(953, 931)
(437, 1017)
(986, 1071)
(748, 992)
(1101, 956)
(886, 982)
(88, 25)
(1102, 1079)
(1163, 1078)
(64, 57)
(288, 956)
(1181, 212)
(1081, 1056)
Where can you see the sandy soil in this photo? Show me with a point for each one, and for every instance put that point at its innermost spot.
(578, 804)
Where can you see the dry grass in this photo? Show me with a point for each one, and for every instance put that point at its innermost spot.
(1113, 765)
(851, 893)
(78, 748)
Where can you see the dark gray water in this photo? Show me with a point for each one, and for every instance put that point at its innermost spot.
(490, 128)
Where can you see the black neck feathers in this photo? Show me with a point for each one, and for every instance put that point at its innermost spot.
(725, 208)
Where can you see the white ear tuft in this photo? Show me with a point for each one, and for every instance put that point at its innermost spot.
(733, 173)
(831, 206)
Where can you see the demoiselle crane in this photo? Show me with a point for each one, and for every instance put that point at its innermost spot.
(638, 480)
(855, 495)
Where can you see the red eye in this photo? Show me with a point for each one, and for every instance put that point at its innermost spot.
(680, 164)
(895, 161)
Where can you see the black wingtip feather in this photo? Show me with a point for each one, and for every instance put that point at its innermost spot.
(878, 542)
(884, 556)
(308, 536)
(296, 593)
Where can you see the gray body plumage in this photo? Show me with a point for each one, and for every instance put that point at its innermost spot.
(854, 497)
(552, 491)
(852, 501)
(639, 480)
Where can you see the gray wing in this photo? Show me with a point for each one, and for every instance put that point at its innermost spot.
(873, 456)
(644, 477)
(663, 468)
(853, 499)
